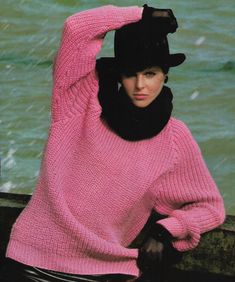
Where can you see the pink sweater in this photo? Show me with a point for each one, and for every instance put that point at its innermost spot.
(96, 191)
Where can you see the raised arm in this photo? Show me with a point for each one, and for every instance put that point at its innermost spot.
(82, 38)
(74, 77)
(189, 195)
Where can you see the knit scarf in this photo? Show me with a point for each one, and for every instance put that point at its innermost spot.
(129, 121)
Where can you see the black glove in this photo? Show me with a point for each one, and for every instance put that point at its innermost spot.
(153, 251)
(158, 22)
(150, 255)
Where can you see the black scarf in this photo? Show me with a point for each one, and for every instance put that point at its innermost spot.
(129, 121)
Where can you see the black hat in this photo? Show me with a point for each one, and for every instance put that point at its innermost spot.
(136, 49)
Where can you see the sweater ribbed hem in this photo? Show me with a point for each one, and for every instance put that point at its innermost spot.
(29, 255)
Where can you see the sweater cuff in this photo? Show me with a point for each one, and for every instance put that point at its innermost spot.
(130, 14)
(174, 226)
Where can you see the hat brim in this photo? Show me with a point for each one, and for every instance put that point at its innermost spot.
(112, 64)
(176, 59)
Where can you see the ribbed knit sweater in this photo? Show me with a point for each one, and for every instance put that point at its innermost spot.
(96, 190)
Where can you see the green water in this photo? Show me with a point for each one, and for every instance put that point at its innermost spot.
(203, 86)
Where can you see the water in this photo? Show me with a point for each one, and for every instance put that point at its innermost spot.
(203, 86)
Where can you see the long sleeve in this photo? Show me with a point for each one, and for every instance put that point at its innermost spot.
(188, 194)
(74, 68)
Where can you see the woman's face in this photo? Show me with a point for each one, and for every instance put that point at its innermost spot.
(144, 86)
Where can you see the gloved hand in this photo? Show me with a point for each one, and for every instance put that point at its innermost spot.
(154, 251)
(150, 255)
(158, 22)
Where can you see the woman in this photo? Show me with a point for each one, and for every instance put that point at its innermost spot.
(113, 155)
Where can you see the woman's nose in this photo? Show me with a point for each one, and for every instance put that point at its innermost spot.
(139, 81)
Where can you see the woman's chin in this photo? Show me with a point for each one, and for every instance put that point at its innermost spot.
(141, 103)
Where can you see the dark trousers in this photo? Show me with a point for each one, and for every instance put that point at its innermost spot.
(13, 271)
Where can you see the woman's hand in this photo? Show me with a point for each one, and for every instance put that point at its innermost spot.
(157, 251)
(150, 255)
(159, 21)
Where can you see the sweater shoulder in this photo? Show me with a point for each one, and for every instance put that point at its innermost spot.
(179, 127)
(183, 140)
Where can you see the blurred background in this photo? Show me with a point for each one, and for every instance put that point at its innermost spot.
(203, 86)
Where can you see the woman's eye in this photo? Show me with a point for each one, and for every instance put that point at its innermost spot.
(150, 74)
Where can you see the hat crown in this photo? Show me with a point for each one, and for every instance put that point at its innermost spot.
(136, 47)
(132, 39)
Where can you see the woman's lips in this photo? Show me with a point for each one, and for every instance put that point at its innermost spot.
(140, 96)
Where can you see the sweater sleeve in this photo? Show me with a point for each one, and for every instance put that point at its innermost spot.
(188, 194)
(81, 41)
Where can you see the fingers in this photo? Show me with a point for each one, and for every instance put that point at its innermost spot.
(150, 255)
(153, 246)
